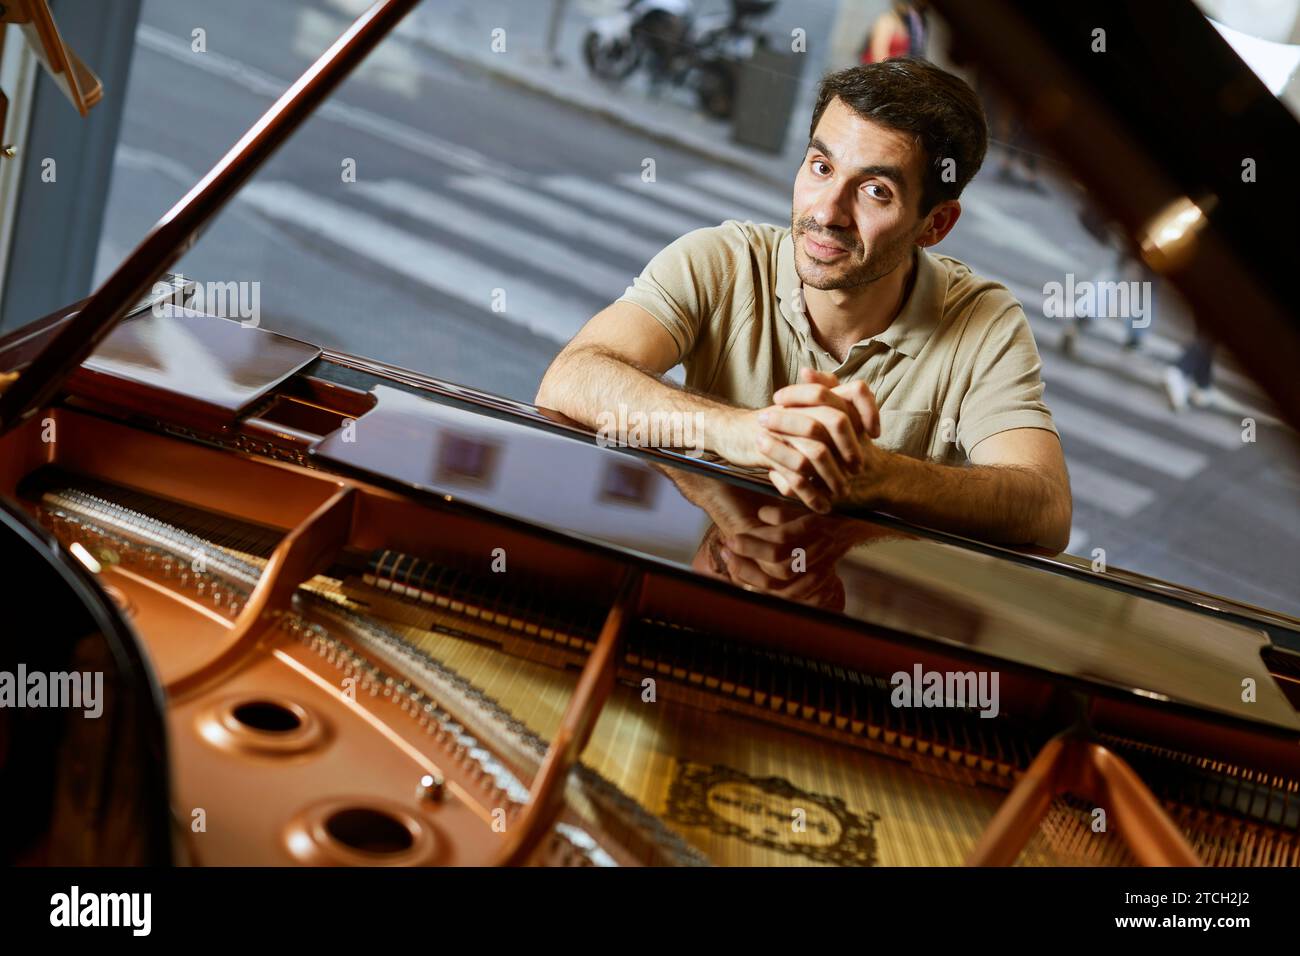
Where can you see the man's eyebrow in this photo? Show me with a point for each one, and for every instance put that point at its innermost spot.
(885, 171)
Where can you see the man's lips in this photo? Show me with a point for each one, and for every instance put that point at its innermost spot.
(821, 250)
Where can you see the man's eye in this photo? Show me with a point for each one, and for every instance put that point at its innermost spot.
(878, 191)
(818, 166)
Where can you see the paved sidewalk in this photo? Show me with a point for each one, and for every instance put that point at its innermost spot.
(464, 30)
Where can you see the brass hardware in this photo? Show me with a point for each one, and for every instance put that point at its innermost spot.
(1168, 242)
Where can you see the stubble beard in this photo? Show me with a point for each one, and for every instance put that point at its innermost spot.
(852, 273)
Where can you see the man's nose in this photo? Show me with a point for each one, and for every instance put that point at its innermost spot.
(831, 209)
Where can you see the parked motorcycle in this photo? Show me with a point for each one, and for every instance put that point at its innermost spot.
(674, 46)
(620, 42)
(725, 42)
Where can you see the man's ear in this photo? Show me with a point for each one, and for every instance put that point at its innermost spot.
(940, 222)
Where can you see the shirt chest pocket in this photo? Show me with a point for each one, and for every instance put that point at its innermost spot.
(906, 431)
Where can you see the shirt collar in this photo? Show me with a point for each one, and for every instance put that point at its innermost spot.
(911, 328)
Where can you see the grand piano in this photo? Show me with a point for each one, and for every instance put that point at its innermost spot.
(345, 613)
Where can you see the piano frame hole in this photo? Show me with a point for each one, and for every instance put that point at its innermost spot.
(261, 724)
(361, 831)
(266, 716)
(367, 830)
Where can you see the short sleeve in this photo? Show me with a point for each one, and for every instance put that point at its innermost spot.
(689, 280)
(1006, 387)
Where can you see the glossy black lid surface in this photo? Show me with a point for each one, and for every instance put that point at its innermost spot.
(864, 569)
(212, 362)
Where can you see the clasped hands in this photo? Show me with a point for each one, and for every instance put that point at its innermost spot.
(816, 439)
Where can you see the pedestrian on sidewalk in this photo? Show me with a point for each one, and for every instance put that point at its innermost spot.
(900, 31)
(1190, 377)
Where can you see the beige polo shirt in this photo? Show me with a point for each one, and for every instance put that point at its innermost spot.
(957, 365)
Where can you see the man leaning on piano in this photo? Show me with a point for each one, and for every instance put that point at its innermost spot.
(839, 354)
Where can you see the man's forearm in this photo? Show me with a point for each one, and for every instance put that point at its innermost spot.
(590, 384)
(999, 503)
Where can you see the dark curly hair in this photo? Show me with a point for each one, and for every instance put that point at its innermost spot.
(915, 96)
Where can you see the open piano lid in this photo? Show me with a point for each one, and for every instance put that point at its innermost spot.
(1178, 140)
(77, 81)
(41, 381)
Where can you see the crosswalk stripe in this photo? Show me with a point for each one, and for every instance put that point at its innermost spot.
(774, 205)
(531, 250)
(1110, 493)
(691, 200)
(623, 205)
(560, 216)
(451, 273)
(1130, 399)
(1077, 422)
(375, 124)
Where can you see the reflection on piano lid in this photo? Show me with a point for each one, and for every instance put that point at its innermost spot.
(214, 369)
(1018, 612)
